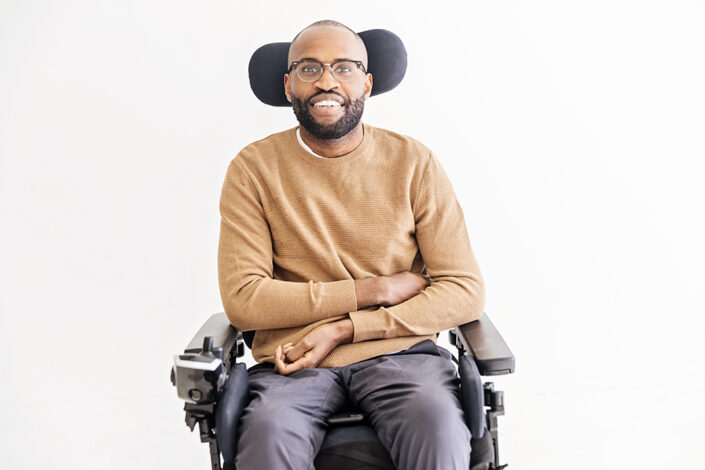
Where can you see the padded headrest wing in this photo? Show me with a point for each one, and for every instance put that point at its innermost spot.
(386, 56)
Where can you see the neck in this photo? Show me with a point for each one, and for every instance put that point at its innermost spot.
(334, 147)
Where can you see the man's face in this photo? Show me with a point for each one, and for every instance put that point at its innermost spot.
(328, 108)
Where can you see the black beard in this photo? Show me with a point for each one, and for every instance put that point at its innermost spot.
(340, 128)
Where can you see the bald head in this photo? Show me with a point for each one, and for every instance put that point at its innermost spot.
(326, 30)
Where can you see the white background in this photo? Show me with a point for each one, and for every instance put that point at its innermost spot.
(573, 135)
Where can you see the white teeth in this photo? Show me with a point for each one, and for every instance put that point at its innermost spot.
(326, 103)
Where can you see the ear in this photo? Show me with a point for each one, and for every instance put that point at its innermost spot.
(368, 85)
(287, 90)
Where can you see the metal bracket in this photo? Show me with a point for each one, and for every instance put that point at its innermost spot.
(208, 436)
(494, 400)
(204, 416)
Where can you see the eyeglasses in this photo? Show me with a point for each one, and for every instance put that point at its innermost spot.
(311, 70)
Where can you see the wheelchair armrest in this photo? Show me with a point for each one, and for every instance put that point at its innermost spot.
(224, 336)
(483, 342)
(224, 388)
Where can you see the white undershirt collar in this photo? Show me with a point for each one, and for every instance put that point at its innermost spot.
(303, 144)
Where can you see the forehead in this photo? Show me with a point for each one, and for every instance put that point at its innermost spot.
(327, 43)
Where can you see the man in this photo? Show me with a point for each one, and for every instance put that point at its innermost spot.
(344, 247)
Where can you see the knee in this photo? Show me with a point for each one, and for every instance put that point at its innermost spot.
(436, 411)
(274, 438)
(433, 434)
(273, 422)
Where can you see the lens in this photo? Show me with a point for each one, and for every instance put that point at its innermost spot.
(309, 71)
(344, 71)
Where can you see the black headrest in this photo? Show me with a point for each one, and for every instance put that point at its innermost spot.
(386, 56)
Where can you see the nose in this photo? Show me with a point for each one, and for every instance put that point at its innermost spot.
(327, 81)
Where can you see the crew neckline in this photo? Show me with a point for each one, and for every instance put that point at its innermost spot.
(310, 157)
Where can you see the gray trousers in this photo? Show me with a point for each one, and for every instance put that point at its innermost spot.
(411, 399)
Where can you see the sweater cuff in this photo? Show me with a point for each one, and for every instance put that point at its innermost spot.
(340, 297)
(369, 324)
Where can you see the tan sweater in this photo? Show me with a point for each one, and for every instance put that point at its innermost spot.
(296, 230)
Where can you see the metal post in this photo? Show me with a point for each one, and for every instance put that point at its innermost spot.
(209, 437)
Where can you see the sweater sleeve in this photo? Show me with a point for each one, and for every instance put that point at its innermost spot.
(252, 299)
(456, 294)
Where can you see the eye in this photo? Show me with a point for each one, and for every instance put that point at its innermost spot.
(309, 68)
(343, 68)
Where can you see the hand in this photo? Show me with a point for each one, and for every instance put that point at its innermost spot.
(403, 286)
(312, 348)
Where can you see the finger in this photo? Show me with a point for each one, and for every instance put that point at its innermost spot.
(310, 359)
(279, 364)
(297, 352)
(292, 367)
(277, 357)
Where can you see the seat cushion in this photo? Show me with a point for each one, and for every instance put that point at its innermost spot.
(357, 447)
(352, 447)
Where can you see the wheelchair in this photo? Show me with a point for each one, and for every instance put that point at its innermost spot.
(215, 388)
(214, 385)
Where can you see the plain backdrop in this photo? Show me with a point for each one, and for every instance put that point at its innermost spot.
(571, 131)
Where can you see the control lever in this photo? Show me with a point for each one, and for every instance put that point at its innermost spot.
(199, 377)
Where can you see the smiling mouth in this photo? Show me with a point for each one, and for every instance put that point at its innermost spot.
(327, 104)
(327, 109)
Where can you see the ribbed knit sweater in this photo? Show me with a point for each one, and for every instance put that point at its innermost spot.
(297, 230)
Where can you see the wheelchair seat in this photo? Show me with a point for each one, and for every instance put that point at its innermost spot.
(352, 446)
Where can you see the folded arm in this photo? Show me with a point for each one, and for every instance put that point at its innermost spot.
(456, 292)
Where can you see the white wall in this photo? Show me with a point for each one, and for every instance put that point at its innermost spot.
(572, 132)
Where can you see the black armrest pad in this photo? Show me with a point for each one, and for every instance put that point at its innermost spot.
(473, 396)
(481, 340)
(218, 326)
(232, 400)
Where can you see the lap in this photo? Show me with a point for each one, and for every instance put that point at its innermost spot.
(409, 398)
(311, 392)
(424, 373)
(413, 398)
(423, 369)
